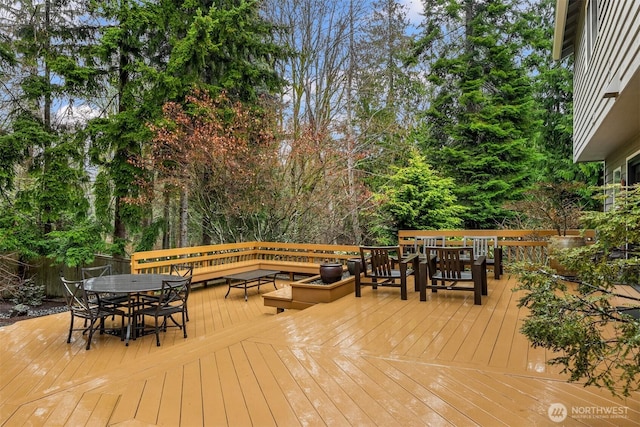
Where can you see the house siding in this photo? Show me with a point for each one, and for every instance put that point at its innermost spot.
(615, 53)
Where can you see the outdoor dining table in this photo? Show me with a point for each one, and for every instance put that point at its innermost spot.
(131, 284)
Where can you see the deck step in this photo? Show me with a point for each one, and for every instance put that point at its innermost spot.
(282, 299)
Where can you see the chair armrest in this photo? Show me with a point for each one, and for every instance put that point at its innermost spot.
(479, 274)
(481, 261)
(409, 258)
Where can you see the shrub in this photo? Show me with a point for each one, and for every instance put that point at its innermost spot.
(593, 324)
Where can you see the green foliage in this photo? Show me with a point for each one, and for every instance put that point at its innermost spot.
(478, 127)
(553, 94)
(12, 152)
(416, 198)
(221, 47)
(102, 203)
(150, 235)
(19, 233)
(590, 323)
(77, 245)
(55, 188)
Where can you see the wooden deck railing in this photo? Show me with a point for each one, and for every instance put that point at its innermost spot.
(517, 245)
(215, 261)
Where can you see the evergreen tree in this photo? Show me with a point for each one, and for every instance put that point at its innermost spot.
(389, 91)
(118, 138)
(416, 198)
(479, 126)
(158, 52)
(553, 95)
(46, 60)
(227, 48)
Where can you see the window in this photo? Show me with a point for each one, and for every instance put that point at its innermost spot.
(633, 170)
(616, 178)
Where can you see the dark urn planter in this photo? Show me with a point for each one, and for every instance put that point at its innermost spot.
(351, 265)
(330, 272)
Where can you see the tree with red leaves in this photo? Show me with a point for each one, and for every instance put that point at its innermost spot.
(216, 154)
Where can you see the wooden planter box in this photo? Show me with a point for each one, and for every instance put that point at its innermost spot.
(302, 294)
(304, 291)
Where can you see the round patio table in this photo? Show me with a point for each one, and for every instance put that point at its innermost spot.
(131, 284)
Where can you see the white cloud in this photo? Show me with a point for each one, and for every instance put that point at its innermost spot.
(415, 11)
(71, 116)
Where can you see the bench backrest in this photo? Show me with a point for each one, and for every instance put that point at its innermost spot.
(160, 261)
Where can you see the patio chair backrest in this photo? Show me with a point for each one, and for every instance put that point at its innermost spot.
(377, 261)
(450, 262)
(182, 270)
(174, 293)
(482, 245)
(75, 295)
(98, 271)
(423, 242)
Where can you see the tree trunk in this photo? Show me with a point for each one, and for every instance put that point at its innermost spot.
(206, 218)
(166, 235)
(184, 218)
(351, 143)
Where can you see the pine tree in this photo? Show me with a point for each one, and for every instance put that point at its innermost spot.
(42, 45)
(389, 90)
(479, 126)
(553, 96)
(158, 52)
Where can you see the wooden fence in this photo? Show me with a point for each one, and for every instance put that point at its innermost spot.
(42, 271)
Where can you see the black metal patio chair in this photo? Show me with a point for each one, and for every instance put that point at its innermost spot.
(172, 300)
(87, 306)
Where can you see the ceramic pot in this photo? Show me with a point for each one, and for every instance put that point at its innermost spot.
(558, 244)
(330, 272)
(351, 265)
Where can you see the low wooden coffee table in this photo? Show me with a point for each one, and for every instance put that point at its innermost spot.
(251, 279)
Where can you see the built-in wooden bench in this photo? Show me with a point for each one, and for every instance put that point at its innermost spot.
(213, 262)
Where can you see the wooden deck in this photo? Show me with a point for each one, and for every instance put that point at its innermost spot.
(374, 360)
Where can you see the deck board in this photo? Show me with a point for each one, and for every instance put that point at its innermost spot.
(171, 399)
(188, 401)
(256, 399)
(235, 406)
(278, 405)
(127, 405)
(212, 400)
(290, 389)
(374, 360)
(149, 404)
